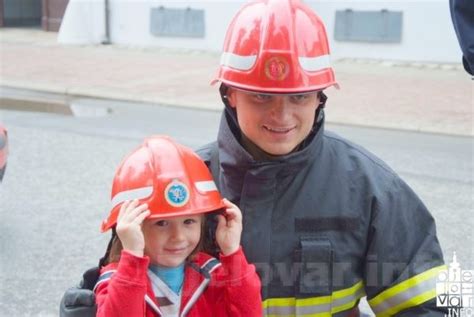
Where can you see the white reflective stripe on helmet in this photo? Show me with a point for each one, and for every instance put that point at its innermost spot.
(312, 64)
(138, 193)
(237, 61)
(206, 186)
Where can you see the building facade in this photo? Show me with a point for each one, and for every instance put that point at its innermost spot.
(403, 30)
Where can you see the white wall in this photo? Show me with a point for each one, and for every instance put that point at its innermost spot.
(427, 31)
(130, 23)
(83, 23)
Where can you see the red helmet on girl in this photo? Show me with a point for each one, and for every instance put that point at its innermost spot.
(276, 46)
(169, 177)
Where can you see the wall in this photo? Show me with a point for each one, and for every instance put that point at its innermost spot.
(427, 31)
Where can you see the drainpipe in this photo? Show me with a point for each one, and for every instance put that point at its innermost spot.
(107, 23)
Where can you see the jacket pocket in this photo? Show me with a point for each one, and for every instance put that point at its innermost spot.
(316, 258)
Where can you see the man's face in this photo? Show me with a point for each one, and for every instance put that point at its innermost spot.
(277, 124)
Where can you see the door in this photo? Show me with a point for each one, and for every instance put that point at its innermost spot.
(53, 12)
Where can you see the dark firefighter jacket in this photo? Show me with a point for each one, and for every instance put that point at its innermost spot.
(462, 14)
(329, 224)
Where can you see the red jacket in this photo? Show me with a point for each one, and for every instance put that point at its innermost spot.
(229, 287)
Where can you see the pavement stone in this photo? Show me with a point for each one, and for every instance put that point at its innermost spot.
(434, 97)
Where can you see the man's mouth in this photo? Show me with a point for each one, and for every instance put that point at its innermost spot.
(279, 129)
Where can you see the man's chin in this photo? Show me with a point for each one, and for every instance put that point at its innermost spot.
(278, 150)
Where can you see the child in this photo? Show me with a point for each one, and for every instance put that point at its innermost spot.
(160, 194)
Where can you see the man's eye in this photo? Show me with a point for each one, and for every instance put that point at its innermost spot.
(299, 98)
(262, 97)
(161, 223)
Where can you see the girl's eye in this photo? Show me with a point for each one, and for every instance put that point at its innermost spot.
(161, 223)
(189, 221)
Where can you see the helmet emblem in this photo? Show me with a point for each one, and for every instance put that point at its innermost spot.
(176, 194)
(276, 68)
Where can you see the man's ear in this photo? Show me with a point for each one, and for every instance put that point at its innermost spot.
(231, 96)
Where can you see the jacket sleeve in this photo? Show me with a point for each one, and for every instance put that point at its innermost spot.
(121, 288)
(462, 12)
(404, 257)
(237, 287)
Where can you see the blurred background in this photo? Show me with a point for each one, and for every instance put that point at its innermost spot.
(82, 82)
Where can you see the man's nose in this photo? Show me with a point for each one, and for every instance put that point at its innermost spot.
(281, 108)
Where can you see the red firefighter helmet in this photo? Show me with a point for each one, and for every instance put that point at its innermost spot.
(169, 177)
(276, 46)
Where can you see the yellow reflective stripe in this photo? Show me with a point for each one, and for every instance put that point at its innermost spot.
(279, 302)
(322, 306)
(313, 301)
(348, 291)
(357, 292)
(410, 285)
(415, 301)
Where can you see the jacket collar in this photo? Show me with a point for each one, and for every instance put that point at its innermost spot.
(197, 277)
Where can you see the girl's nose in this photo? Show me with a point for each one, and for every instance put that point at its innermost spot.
(177, 233)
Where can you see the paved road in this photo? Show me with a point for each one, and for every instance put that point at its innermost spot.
(56, 187)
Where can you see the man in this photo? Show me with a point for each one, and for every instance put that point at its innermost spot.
(462, 14)
(325, 222)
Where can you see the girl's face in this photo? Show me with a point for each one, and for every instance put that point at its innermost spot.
(168, 242)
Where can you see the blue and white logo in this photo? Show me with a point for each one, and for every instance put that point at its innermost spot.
(176, 194)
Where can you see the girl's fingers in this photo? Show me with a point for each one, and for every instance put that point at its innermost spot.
(133, 213)
(228, 203)
(221, 221)
(139, 219)
(123, 209)
(130, 210)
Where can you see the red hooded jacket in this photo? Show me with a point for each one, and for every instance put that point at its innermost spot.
(229, 287)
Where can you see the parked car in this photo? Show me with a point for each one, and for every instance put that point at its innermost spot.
(3, 150)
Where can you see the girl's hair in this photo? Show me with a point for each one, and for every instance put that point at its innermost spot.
(116, 245)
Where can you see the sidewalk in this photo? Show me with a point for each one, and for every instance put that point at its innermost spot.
(419, 97)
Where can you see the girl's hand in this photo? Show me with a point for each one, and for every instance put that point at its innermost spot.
(229, 228)
(129, 226)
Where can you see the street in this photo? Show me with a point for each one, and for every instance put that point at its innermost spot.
(60, 169)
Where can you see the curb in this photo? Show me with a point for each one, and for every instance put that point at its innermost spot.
(50, 99)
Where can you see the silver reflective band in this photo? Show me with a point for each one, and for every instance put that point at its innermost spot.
(206, 186)
(312, 64)
(138, 193)
(417, 289)
(338, 301)
(237, 61)
(349, 298)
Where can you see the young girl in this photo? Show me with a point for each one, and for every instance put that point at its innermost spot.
(160, 194)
